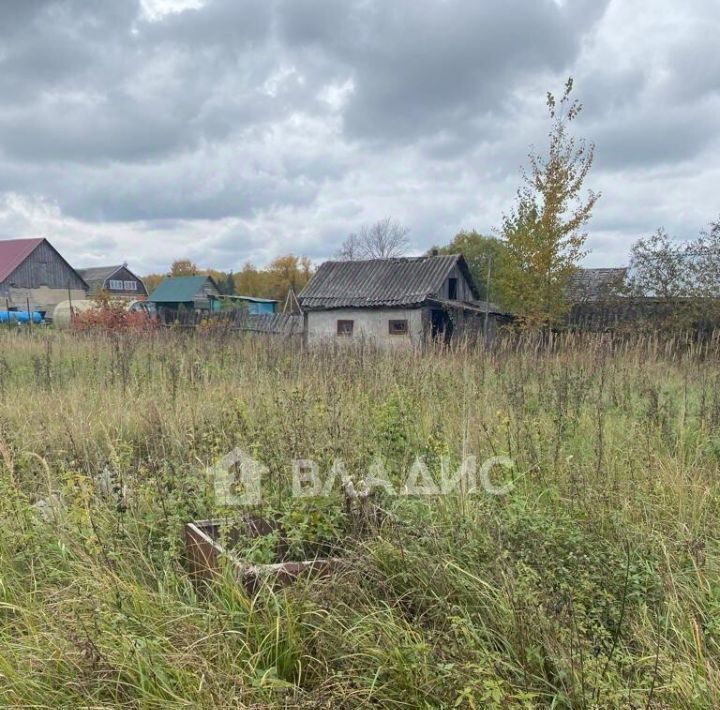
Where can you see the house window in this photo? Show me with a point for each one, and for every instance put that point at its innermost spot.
(345, 327)
(452, 289)
(116, 285)
(398, 327)
(131, 285)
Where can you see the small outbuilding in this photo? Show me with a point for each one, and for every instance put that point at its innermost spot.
(117, 281)
(178, 297)
(253, 305)
(397, 302)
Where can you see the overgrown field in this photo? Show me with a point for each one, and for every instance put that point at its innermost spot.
(594, 583)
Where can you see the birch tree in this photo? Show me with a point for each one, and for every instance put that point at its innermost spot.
(544, 232)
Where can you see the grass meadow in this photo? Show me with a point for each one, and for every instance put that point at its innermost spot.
(594, 583)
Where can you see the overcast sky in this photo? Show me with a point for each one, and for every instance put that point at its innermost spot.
(234, 130)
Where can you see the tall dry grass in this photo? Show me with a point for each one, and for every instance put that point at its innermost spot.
(594, 583)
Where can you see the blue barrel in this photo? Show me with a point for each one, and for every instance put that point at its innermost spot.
(20, 317)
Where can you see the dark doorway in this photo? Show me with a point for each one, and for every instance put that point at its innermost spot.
(440, 326)
(452, 289)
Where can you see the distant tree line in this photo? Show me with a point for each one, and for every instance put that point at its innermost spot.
(283, 274)
(525, 268)
(527, 265)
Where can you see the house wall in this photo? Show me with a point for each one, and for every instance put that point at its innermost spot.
(202, 297)
(205, 299)
(370, 325)
(257, 308)
(125, 276)
(41, 299)
(463, 289)
(470, 327)
(187, 313)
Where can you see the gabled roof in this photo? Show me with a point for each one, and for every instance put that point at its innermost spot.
(99, 273)
(179, 289)
(378, 283)
(97, 276)
(13, 252)
(596, 284)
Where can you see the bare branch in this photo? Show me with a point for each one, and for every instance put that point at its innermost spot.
(384, 239)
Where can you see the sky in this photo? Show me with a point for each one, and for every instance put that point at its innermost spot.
(228, 131)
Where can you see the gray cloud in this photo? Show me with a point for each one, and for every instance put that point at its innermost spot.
(246, 129)
(432, 69)
(664, 134)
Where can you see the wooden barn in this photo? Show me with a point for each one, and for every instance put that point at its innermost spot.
(33, 272)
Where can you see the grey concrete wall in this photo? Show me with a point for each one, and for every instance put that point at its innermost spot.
(41, 299)
(370, 325)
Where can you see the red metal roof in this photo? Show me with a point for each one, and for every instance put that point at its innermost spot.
(13, 252)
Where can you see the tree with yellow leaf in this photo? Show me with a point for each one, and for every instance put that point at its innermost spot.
(281, 275)
(250, 282)
(544, 232)
(183, 267)
(152, 281)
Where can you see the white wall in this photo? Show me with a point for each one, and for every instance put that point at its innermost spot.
(370, 325)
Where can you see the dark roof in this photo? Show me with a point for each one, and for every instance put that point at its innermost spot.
(13, 252)
(596, 284)
(98, 274)
(406, 281)
(179, 289)
(272, 324)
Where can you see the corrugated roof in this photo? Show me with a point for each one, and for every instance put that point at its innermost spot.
(13, 252)
(596, 284)
(179, 289)
(374, 283)
(272, 324)
(98, 274)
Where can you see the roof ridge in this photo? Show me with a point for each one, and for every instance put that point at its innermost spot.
(418, 257)
(14, 251)
(393, 281)
(104, 266)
